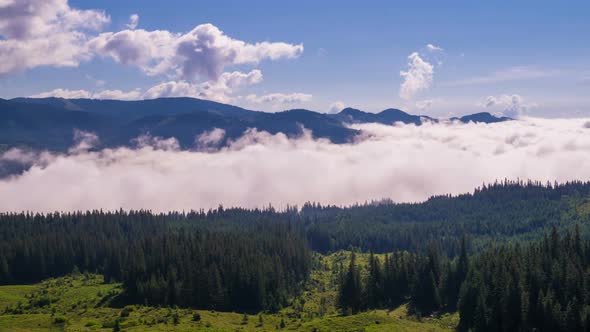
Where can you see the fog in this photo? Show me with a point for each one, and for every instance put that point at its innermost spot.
(405, 163)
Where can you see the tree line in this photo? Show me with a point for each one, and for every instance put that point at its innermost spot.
(540, 286)
(160, 259)
(504, 210)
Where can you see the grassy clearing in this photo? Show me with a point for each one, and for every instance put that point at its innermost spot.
(10, 295)
(86, 303)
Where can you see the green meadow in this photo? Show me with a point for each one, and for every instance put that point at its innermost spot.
(84, 302)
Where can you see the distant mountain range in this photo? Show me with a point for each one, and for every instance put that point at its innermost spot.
(49, 123)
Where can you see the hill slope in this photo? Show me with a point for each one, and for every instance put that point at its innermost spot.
(49, 123)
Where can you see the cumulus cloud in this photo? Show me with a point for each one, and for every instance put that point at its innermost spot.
(512, 106)
(261, 168)
(219, 90)
(79, 94)
(280, 98)
(148, 50)
(202, 53)
(417, 78)
(133, 21)
(36, 33)
(336, 107)
(433, 48)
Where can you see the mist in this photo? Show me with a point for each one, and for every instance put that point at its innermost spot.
(405, 163)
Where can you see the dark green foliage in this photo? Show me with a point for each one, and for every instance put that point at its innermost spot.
(505, 210)
(239, 259)
(172, 259)
(404, 277)
(542, 286)
(350, 290)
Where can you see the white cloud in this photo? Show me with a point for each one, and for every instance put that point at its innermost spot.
(64, 93)
(202, 53)
(133, 21)
(417, 78)
(84, 141)
(172, 89)
(423, 105)
(36, 33)
(510, 74)
(433, 48)
(118, 94)
(512, 106)
(261, 168)
(336, 107)
(220, 90)
(83, 94)
(210, 139)
(149, 50)
(280, 98)
(157, 143)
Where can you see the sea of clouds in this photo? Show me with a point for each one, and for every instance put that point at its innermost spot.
(405, 163)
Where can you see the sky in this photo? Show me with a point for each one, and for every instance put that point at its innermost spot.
(525, 58)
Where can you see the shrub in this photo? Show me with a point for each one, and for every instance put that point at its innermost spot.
(60, 320)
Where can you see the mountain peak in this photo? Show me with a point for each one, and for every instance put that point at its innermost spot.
(351, 111)
(393, 111)
(484, 117)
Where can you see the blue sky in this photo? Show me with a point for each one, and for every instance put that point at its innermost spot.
(518, 58)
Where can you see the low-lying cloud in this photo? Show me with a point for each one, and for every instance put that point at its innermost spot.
(405, 163)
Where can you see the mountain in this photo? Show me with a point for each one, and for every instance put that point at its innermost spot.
(484, 117)
(140, 108)
(44, 126)
(388, 117)
(50, 123)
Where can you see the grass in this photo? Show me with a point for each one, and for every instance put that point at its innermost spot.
(83, 302)
(10, 295)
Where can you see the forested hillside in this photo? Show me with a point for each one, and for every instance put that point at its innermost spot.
(497, 212)
(161, 259)
(543, 286)
(495, 255)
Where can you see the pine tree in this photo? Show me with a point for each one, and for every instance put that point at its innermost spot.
(350, 290)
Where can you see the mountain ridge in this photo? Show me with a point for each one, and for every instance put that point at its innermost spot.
(49, 123)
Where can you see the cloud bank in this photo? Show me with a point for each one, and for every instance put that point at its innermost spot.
(405, 163)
